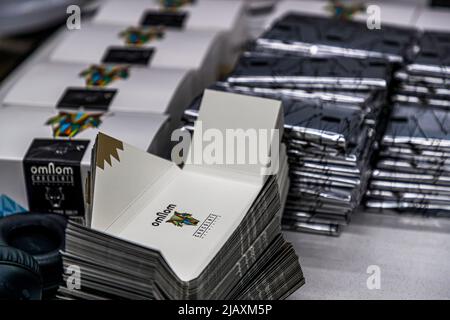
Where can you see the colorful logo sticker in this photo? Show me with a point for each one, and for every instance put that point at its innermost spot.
(179, 219)
(137, 36)
(101, 76)
(344, 11)
(67, 124)
(174, 4)
(8, 206)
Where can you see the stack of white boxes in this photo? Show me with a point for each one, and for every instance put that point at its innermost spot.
(129, 72)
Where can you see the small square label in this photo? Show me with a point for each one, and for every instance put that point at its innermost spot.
(174, 19)
(124, 55)
(89, 99)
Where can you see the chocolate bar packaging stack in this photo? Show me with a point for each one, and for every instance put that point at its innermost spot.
(326, 134)
(413, 169)
(299, 33)
(330, 148)
(144, 47)
(188, 35)
(189, 15)
(425, 80)
(158, 231)
(333, 78)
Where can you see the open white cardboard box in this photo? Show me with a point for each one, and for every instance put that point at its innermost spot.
(193, 50)
(19, 126)
(130, 187)
(150, 90)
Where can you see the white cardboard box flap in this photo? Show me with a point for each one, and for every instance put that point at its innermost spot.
(238, 119)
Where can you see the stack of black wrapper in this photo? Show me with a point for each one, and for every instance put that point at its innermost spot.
(332, 77)
(297, 33)
(413, 170)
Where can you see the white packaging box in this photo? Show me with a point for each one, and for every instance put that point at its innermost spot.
(19, 126)
(391, 13)
(434, 19)
(194, 50)
(225, 16)
(152, 90)
(126, 196)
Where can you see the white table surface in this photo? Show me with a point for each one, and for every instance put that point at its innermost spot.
(413, 254)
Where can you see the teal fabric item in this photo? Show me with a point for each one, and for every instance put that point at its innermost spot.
(9, 207)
